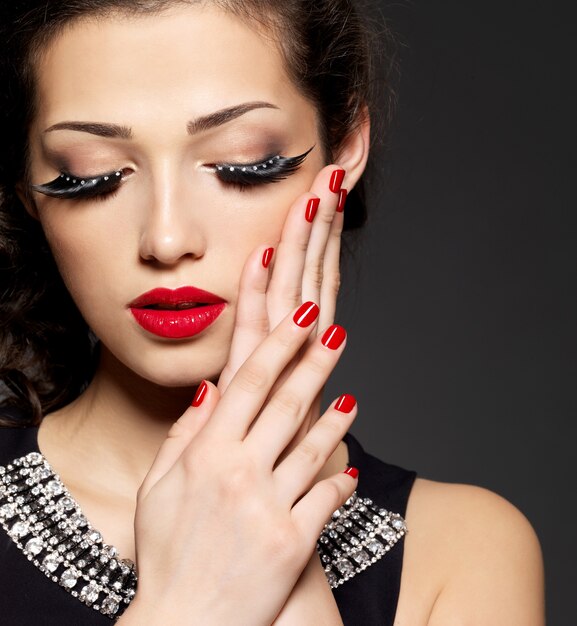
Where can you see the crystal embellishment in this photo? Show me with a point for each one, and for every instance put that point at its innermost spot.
(46, 523)
(358, 535)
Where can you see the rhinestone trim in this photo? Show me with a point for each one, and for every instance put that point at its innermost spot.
(46, 523)
(358, 535)
(42, 518)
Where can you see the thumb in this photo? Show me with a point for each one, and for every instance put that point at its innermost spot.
(181, 433)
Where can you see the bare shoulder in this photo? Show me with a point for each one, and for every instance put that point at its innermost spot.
(471, 557)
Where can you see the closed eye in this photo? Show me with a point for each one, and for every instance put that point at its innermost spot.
(273, 169)
(69, 186)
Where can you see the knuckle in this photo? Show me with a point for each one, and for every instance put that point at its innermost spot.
(334, 493)
(236, 481)
(333, 282)
(301, 246)
(308, 452)
(282, 543)
(326, 217)
(287, 294)
(317, 365)
(252, 377)
(287, 403)
(332, 427)
(314, 271)
(252, 323)
(178, 429)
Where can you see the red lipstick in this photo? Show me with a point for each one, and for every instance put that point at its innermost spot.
(176, 313)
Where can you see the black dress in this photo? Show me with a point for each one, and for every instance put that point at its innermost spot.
(55, 569)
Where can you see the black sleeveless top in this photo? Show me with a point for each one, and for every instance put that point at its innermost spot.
(366, 583)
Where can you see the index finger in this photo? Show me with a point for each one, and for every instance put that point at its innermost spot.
(251, 385)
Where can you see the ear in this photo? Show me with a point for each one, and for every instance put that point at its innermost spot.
(27, 201)
(354, 152)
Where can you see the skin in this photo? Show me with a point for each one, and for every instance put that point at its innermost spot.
(173, 223)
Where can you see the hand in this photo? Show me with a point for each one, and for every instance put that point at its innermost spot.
(305, 266)
(224, 530)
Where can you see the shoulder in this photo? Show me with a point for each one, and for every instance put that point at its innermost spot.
(472, 557)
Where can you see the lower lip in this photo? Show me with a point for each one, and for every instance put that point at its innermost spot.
(177, 324)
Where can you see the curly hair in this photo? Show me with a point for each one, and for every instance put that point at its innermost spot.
(46, 353)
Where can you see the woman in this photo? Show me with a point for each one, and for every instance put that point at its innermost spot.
(142, 143)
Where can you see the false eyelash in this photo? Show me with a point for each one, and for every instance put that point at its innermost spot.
(271, 170)
(70, 186)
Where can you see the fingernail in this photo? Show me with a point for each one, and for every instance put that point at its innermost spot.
(312, 207)
(346, 403)
(306, 314)
(334, 336)
(342, 200)
(200, 394)
(267, 257)
(336, 180)
(351, 471)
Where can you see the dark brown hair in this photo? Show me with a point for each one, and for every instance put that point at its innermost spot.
(46, 353)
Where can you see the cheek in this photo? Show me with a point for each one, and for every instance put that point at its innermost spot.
(258, 218)
(87, 254)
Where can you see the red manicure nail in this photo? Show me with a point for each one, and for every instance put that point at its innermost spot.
(306, 314)
(200, 394)
(346, 403)
(334, 336)
(312, 206)
(336, 180)
(351, 471)
(267, 257)
(342, 200)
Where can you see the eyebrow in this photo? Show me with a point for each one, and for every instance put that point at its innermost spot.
(200, 124)
(218, 118)
(102, 130)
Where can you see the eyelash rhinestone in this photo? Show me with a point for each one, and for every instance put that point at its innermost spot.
(86, 187)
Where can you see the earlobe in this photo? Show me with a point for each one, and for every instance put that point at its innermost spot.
(353, 155)
(27, 201)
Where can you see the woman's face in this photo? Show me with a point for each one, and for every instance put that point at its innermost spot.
(143, 84)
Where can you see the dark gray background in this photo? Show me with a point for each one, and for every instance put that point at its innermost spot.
(462, 324)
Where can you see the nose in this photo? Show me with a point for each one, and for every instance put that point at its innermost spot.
(171, 227)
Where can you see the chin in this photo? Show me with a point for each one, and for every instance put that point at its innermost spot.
(177, 365)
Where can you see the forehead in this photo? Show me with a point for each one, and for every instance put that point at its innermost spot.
(193, 59)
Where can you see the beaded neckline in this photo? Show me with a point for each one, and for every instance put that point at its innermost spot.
(46, 523)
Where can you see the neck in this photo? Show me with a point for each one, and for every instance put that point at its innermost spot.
(118, 422)
(114, 429)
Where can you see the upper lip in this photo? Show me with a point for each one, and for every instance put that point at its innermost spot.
(182, 295)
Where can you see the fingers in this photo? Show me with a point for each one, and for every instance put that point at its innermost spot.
(298, 268)
(297, 471)
(181, 433)
(251, 321)
(285, 288)
(322, 256)
(251, 385)
(286, 409)
(312, 229)
(313, 511)
(331, 269)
